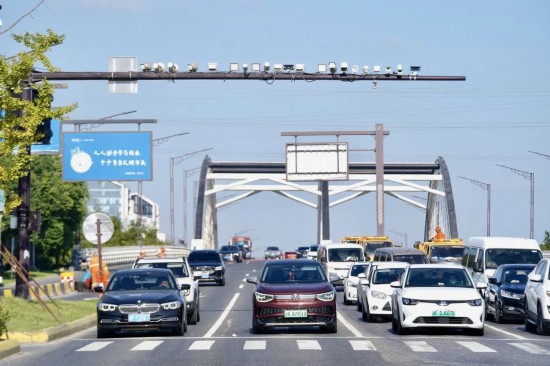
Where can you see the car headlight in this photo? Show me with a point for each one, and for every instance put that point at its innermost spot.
(511, 295)
(218, 268)
(264, 297)
(352, 284)
(327, 296)
(171, 305)
(476, 302)
(106, 307)
(407, 301)
(378, 294)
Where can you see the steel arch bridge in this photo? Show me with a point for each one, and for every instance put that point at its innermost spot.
(246, 179)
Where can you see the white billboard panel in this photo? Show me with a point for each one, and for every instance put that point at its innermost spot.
(317, 161)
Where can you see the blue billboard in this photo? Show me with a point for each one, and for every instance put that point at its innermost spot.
(107, 156)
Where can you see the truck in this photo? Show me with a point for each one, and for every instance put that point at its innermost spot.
(442, 250)
(369, 243)
(243, 242)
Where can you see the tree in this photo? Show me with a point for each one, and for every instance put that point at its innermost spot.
(19, 119)
(546, 243)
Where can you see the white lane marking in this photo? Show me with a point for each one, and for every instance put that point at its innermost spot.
(503, 331)
(222, 317)
(201, 346)
(307, 344)
(250, 345)
(253, 270)
(348, 325)
(241, 285)
(475, 346)
(420, 346)
(362, 346)
(244, 279)
(94, 346)
(146, 346)
(531, 348)
(246, 275)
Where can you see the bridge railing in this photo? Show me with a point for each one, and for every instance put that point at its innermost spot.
(128, 254)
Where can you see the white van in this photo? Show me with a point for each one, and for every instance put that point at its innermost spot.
(483, 254)
(337, 258)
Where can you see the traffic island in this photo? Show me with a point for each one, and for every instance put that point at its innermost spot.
(8, 347)
(50, 334)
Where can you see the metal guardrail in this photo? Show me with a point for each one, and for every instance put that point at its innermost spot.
(546, 253)
(128, 254)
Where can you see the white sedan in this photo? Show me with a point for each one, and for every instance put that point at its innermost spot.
(352, 281)
(437, 296)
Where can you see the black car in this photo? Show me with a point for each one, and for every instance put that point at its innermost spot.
(504, 297)
(142, 299)
(207, 266)
(231, 253)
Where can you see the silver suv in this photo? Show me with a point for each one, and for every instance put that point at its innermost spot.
(273, 253)
(184, 275)
(537, 299)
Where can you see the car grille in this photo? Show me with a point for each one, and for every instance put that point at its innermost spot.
(442, 320)
(282, 320)
(204, 268)
(143, 309)
(263, 311)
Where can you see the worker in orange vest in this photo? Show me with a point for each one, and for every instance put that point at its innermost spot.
(98, 280)
(438, 233)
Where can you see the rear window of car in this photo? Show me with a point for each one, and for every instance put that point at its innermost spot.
(438, 277)
(204, 257)
(178, 269)
(411, 258)
(272, 248)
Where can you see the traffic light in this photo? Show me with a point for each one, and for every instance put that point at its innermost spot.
(44, 129)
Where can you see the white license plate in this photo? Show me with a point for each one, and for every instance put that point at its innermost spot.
(133, 318)
(296, 313)
(205, 275)
(444, 313)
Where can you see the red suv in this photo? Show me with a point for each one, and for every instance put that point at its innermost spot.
(293, 292)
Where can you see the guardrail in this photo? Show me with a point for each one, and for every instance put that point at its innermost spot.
(120, 255)
(546, 253)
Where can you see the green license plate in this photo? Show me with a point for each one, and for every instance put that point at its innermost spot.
(443, 313)
(296, 313)
(138, 318)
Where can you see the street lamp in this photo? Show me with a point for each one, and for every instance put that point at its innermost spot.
(186, 174)
(176, 161)
(487, 187)
(530, 176)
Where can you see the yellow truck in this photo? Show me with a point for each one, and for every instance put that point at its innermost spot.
(369, 243)
(442, 250)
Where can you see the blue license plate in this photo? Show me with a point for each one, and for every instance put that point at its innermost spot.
(136, 318)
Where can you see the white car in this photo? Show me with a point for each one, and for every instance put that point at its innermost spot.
(184, 275)
(376, 295)
(312, 253)
(537, 299)
(437, 296)
(352, 281)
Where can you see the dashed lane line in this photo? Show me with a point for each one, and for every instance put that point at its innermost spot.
(147, 346)
(348, 325)
(308, 344)
(201, 346)
(94, 346)
(254, 345)
(475, 346)
(222, 317)
(505, 332)
(420, 346)
(362, 346)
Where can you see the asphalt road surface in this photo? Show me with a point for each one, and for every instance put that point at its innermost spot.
(223, 337)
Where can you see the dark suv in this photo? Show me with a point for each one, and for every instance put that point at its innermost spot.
(207, 266)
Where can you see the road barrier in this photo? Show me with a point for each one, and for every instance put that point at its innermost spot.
(128, 254)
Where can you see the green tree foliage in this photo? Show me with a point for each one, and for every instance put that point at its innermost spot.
(128, 237)
(62, 207)
(546, 243)
(4, 318)
(20, 119)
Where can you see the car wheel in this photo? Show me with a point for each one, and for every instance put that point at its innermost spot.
(529, 327)
(195, 316)
(498, 316)
(359, 305)
(180, 331)
(221, 282)
(346, 301)
(541, 329)
(399, 327)
(365, 314)
(331, 328)
(393, 324)
(477, 332)
(256, 328)
(103, 333)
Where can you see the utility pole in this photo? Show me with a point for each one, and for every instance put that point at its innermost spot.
(487, 187)
(531, 177)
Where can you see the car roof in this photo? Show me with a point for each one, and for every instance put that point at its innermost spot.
(519, 265)
(437, 265)
(204, 251)
(161, 260)
(382, 265)
(400, 250)
(291, 261)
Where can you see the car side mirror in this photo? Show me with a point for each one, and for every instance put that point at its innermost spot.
(477, 268)
(364, 281)
(99, 288)
(395, 284)
(535, 278)
(253, 280)
(493, 281)
(481, 285)
(334, 278)
(185, 286)
(361, 275)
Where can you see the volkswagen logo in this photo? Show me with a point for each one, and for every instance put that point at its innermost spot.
(443, 303)
(295, 297)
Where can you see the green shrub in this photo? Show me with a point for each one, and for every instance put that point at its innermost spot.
(4, 318)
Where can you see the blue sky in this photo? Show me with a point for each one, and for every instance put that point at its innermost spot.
(495, 117)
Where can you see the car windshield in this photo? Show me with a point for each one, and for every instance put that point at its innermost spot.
(411, 258)
(229, 248)
(178, 269)
(204, 257)
(515, 276)
(384, 276)
(445, 252)
(438, 277)
(313, 248)
(345, 255)
(357, 269)
(496, 257)
(142, 282)
(293, 273)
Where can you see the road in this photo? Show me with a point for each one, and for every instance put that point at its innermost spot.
(223, 337)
